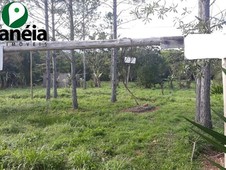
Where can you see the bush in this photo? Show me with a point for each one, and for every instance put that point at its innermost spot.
(152, 68)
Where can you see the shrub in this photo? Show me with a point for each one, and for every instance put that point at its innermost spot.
(152, 68)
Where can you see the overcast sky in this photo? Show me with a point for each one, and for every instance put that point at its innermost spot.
(157, 27)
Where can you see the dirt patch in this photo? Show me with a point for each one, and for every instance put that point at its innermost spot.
(141, 109)
(214, 156)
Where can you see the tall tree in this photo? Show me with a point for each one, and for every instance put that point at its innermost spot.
(114, 27)
(85, 15)
(206, 24)
(83, 38)
(203, 112)
(114, 56)
(48, 76)
(54, 52)
(73, 61)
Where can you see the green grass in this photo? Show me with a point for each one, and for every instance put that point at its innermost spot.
(99, 135)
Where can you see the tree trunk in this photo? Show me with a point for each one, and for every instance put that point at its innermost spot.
(31, 74)
(203, 112)
(198, 99)
(2, 81)
(84, 69)
(114, 56)
(55, 75)
(73, 80)
(83, 38)
(73, 61)
(48, 76)
(54, 53)
(171, 84)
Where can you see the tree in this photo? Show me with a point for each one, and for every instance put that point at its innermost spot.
(203, 112)
(99, 64)
(73, 61)
(85, 14)
(179, 69)
(57, 11)
(114, 56)
(151, 67)
(48, 76)
(99, 60)
(113, 22)
(54, 52)
(205, 24)
(157, 8)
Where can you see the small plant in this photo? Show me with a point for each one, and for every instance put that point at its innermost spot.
(217, 89)
(218, 140)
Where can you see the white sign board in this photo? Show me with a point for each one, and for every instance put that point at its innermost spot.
(130, 60)
(1, 57)
(204, 46)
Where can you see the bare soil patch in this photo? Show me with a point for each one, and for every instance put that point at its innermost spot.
(214, 156)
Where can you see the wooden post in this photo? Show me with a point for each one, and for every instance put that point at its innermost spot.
(224, 96)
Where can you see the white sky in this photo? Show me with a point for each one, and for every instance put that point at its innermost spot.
(158, 27)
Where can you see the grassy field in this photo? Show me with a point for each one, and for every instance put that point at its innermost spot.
(99, 135)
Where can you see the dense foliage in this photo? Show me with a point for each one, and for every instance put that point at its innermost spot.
(152, 67)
